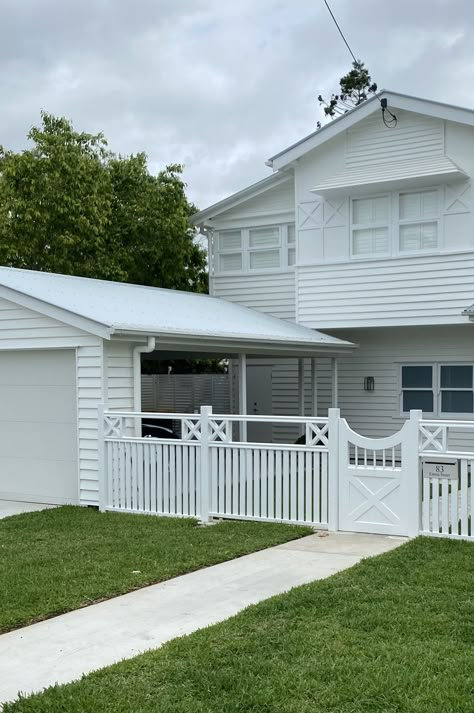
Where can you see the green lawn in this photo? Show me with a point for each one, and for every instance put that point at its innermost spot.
(394, 634)
(57, 560)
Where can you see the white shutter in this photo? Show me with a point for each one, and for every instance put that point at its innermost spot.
(416, 206)
(230, 240)
(263, 259)
(264, 237)
(291, 233)
(370, 241)
(418, 236)
(291, 256)
(370, 211)
(229, 262)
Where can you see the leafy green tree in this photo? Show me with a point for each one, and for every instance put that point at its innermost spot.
(355, 88)
(69, 205)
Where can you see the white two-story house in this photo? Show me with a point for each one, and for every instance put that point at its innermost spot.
(366, 232)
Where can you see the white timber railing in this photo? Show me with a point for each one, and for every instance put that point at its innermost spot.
(447, 452)
(205, 473)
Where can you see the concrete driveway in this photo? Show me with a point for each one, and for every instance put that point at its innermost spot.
(14, 507)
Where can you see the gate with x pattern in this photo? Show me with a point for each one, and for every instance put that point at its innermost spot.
(378, 480)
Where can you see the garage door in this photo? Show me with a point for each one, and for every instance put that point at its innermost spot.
(38, 434)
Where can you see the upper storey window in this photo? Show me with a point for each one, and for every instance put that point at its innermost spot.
(418, 214)
(395, 224)
(370, 226)
(270, 247)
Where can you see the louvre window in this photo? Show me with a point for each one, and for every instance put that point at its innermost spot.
(370, 232)
(417, 231)
(256, 249)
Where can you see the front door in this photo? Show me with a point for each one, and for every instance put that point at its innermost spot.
(259, 401)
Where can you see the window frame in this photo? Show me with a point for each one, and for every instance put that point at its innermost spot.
(246, 250)
(437, 390)
(372, 226)
(406, 221)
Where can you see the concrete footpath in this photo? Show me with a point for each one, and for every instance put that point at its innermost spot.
(62, 649)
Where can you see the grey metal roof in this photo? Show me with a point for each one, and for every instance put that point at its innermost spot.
(172, 315)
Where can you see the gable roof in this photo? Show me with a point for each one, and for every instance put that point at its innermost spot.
(176, 318)
(395, 100)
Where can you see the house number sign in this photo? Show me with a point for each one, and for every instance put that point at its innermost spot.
(440, 469)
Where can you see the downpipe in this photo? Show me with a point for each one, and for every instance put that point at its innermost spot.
(137, 378)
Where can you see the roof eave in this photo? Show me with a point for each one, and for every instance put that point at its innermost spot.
(238, 343)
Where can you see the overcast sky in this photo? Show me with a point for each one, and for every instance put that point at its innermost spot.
(219, 85)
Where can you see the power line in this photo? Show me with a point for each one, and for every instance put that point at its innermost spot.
(340, 31)
(389, 123)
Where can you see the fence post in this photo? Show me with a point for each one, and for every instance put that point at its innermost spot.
(206, 411)
(411, 473)
(334, 416)
(100, 457)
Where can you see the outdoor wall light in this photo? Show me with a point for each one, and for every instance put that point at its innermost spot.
(369, 383)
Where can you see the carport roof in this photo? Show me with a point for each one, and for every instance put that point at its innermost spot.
(180, 320)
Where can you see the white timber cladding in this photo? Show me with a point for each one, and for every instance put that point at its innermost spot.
(273, 294)
(119, 375)
(432, 289)
(444, 222)
(22, 328)
(382, 353)
(415, 136)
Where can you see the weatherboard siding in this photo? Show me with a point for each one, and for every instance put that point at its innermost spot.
(119, 375)
(428, 289)
(271, 293)
(415, 136)
(380, 354)
(90, 369)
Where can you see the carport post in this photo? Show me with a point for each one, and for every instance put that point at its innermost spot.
(243, 395)
(314, 388)
(301, 392)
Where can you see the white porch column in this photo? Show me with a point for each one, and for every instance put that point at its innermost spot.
(243, 394)
(334, 384)
(314, 387)
(301, 391)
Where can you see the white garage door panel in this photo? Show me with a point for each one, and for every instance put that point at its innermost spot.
(46, 441)
(35, 367)
(38, 404)
(51, 482)
(38, 431)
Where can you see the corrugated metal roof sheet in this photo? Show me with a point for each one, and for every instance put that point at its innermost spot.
(152, 311)
(390, 172)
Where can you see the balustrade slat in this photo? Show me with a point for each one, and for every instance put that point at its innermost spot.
(464, 499)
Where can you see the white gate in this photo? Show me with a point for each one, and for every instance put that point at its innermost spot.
(379, 481)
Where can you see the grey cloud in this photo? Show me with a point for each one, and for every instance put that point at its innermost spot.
(216, 85)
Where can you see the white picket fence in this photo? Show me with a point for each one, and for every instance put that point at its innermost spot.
(205, 473)
(447, 500)
(336, 479)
